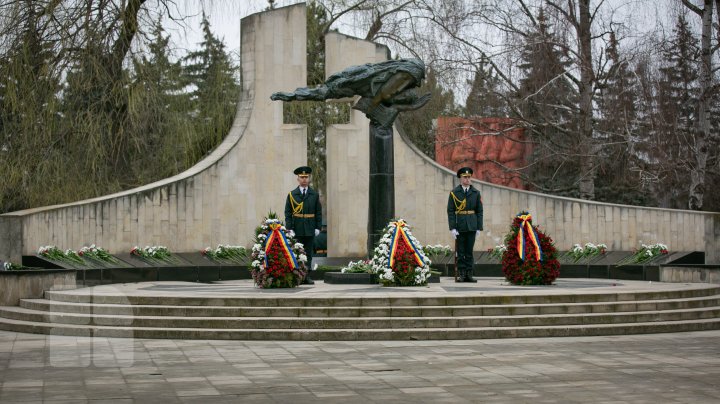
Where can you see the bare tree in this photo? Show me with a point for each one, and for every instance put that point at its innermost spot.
(703, 135)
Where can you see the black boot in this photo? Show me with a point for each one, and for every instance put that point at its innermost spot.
(308, 281)
(460, 277)
(468, 276)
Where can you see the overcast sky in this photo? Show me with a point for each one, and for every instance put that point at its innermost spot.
(224, 17)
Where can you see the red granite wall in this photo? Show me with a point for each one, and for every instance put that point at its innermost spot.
(494, 147)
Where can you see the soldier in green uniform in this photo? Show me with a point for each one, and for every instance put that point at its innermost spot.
(465, 219)
(303, 214)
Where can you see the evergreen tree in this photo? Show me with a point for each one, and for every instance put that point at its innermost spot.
(214, 91)
(29, 116)
(617, 128)
(676, 98)
(547, 105)
(485, 99)
(158, 110)
(418, 124)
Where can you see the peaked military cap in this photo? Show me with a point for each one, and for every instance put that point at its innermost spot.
(465, 172)
(303, 170)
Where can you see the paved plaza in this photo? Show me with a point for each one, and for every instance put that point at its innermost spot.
(657, 368)
(661, 368)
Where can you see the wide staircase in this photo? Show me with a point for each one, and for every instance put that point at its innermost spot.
(290, 317)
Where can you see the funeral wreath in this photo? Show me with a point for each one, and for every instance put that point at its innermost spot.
(398, 259)
(278, 261)
(530, 257)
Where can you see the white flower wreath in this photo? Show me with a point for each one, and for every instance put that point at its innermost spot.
(381, 256)
(260, 274)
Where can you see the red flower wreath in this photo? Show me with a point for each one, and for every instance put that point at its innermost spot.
(531, 270)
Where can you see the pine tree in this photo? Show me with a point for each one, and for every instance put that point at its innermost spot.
(617, 128)
(158, 110)
(484, 99)
(676, 98)
(29, 116)
(418, 124)
(548, 106)
(214, 91)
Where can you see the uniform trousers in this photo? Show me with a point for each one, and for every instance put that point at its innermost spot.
(465, 244)
(308, 244)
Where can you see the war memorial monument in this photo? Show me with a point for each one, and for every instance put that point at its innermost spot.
(371, 171)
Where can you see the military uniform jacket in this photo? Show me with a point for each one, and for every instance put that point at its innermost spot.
(303, 215)
(465, 213)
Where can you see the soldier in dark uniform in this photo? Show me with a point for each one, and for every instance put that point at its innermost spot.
(465, 219)
(303, 214)
(321, 242)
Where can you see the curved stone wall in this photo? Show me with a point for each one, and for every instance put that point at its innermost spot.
(566, 220)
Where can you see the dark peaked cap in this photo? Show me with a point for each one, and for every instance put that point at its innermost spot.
(465, 172)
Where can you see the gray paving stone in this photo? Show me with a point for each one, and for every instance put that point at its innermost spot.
(659, 368)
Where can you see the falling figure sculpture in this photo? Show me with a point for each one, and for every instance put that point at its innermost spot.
(385, 89)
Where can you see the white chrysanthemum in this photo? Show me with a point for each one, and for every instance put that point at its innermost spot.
(255, 264)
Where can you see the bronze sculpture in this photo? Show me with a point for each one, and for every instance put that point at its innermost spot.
(385, 89)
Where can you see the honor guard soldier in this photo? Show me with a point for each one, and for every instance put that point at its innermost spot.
(465, 219)
(303, 214)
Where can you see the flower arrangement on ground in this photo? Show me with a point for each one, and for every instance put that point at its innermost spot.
(358, 267)
(398, 259)
(57, 254)
(9, 266)
(278, 261)
(234, 253)
(497, 252)
(644, 254)
(156, 252)
(94, 252)
(438, 250)
(531, 257)
(587, 252)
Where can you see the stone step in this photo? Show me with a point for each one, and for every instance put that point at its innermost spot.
(449, 312)
(373, 311)
(361, 334)
(285, 300)
(19, 313)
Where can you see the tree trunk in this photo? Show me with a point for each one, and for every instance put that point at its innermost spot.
(588, 151)
(702, 129)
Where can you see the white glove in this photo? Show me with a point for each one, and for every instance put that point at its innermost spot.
(454, 233)
(317, 232)
(477, 233)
